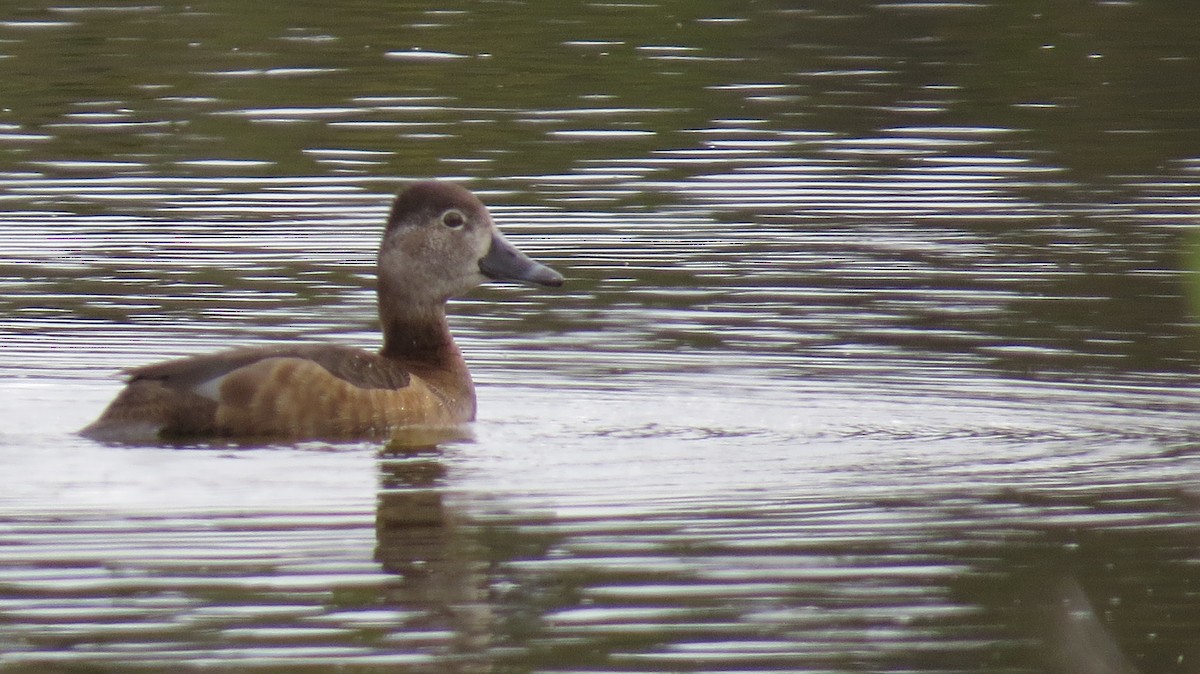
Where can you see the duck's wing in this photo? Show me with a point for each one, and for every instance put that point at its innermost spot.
(292, 391)
(203, 374)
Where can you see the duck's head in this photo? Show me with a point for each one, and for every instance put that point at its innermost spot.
(441, 242)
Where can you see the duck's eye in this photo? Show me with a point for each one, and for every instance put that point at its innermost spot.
(453, 219)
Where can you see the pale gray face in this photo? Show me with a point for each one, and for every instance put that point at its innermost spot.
(441, 242)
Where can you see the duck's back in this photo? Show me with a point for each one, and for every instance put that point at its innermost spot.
(316, 390)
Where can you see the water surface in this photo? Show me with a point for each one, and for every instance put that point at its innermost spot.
(878, 349)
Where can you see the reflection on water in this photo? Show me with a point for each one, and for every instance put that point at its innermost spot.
(420, 539)
(877, 352)
(1008, 575)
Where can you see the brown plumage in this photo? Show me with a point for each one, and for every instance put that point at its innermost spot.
(440, 242)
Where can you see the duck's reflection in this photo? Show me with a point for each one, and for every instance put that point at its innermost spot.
(422, 540)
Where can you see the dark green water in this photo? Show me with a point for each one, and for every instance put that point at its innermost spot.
(878, 351)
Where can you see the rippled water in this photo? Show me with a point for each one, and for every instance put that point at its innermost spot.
(877, 353)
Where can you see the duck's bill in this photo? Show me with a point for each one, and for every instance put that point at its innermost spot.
(504, 262)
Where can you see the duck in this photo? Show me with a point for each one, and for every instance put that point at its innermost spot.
(439, 243)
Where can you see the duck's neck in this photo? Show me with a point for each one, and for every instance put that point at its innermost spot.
(419, 339)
